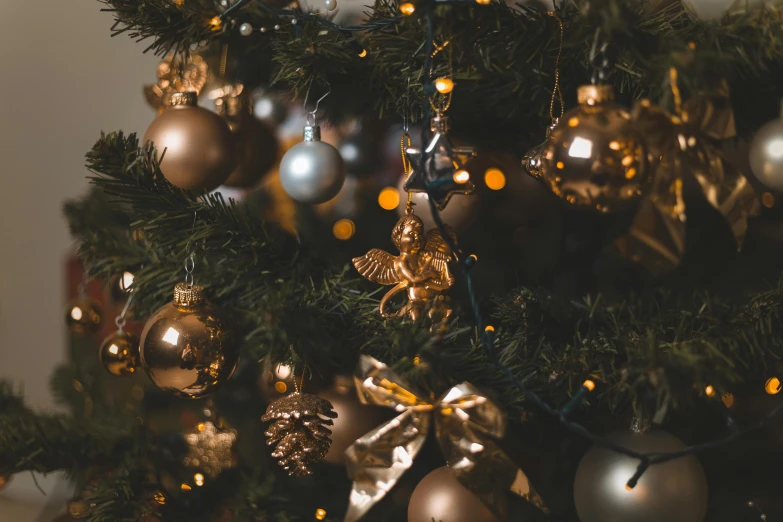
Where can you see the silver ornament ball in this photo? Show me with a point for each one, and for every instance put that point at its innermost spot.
(330, 5)
(675, 491)
(766, 154)
(312, 171)
(246, 29)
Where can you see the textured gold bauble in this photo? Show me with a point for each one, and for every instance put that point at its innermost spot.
(188, 346)
(119, 353)
(354, 419)
(440, 496)
(83, 315)
(594, 158)
(199, 147)
(299, 431)
(256, 144)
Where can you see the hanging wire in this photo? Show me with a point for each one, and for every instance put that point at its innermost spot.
(120, 319)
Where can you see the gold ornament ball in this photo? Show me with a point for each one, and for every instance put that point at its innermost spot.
(199, 147)
(439, 496)
(119, 353)
(594, 157)
(256, 144)
(188, 346)
(83, 315)
(354, 419)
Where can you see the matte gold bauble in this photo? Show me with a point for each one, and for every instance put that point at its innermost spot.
(439, 496)
(119, 353)
(188, 346)
(256, 144)
(83, 315)
(594, 158)
(354, 419)
(199, 147)
(675, 491)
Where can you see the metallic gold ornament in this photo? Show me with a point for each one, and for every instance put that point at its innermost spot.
(675, 491)
(256, 143)
(532, 160)
(199, 147)
(466, 424)
(83, 315)
(442, 171)
(210, 449)
(686, 143)
(421, 270)
(119, 353)
(440, 496)
(594, 158)
(176, 76)
(299, 431)
(188, 346)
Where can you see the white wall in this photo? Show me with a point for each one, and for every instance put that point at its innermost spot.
(63, 79)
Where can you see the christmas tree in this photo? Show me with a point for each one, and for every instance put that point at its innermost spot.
(446, 260)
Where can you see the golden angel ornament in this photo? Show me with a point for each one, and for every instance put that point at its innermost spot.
(421, 270)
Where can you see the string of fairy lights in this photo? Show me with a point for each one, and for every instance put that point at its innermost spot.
(495, 180)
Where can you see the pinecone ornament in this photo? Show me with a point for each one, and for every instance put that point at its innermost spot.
(299, 430)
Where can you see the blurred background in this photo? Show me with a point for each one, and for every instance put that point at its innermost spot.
(64, 80)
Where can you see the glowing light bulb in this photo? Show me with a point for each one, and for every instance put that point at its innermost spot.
(772, 386)
(461, 176)
(590, 385)
(215, 22)
(407, 8)
(76, 313)
(709, 391)
(320, 514)
(363, 53)
(281, 387)
(489, 328)
(389, 198)
(495, 179)
(199, 479)
(185, 487)
(444, 85)
(344, 229)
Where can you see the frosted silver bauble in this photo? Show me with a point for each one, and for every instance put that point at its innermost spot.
(440, 496)
(766, 154)
(312, 171)
(675, 491)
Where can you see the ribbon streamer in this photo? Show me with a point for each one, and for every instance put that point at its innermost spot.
(687, 142)
(466, 422)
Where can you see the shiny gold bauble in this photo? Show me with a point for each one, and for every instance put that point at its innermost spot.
(188, 346)
(83, 315)
(594, 157)
(256, 144)
(199, 147)
(119, 353)
(354, 419)
(440, 496)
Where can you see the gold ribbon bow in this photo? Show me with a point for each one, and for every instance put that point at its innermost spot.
(686, 142)
(465, 424)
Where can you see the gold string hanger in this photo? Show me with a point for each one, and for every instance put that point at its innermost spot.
(446, 100)
(556, 93)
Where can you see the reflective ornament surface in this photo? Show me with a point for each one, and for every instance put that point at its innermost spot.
(594, 158)
(440, 496)
(532, 160)
(199, 147)
(299, 431)
(675, 491)
(256, 144)
(766, 154)
(188, 346)
(312, 171)
(354, 419)
(119, 353)
(460, 212)
(83, 315)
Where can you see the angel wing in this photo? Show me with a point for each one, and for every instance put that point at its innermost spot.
(377, 266)
(440, 254)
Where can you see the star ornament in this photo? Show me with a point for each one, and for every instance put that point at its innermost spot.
(442, 170)
(210, 449)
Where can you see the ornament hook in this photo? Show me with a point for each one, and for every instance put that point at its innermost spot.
(190, 264)
(120, 319)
